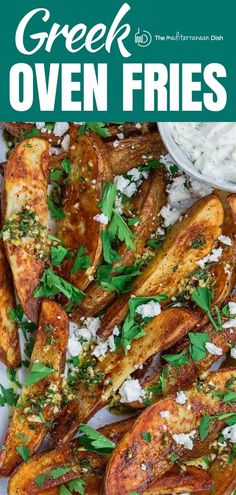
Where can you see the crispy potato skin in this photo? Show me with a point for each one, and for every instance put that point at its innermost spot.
(188, 373)
(176, 260)
(22, 481)
(25, 185)
(119, 477)
(89, 163)
(165, 328)
(226, 483)
(50, 354)
(153, 198)
(9, 338)
(134, 151)
(192, 480)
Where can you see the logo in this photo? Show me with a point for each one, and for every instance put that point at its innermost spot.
(143, 38)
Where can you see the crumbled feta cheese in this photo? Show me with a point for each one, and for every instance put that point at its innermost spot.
(135, 173)
(232, 308)
(101, 349)
(116, 331)
(120, 135)
(185, 439)
(101, 218)
(40, 125)
(225, 240)
(116, 143)
(178, 192)
(229, 323)
(60, 128)
(170, 215)
(66, 143)
(213, 349)
(74, 347)
(233, 352)
(89, 329)
(130, 190)
(198, 189)
(125, 186)
(213, 257)
(138, 125)
(181, 398)
(130, 391)
(229, 433)
(143, 467)
(149, 310)
(164, 414)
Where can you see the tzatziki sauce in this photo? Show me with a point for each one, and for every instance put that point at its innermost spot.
(210, 146)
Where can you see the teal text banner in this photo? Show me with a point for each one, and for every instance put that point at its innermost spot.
(118, 60)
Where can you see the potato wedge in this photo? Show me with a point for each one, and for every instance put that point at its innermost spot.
(22, 481)
(135, 151)
(192, 480)
(181, 377)
(165, 328)
(226, 483)
(39, 402)
(176, 260)
(133, 452)
(153, 197)
(26, 219)
(9, 338)
(89, 163)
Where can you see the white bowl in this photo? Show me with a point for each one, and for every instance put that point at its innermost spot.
(183, 162)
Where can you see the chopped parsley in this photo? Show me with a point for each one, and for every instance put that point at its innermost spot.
(94, 441)
(82, 261)
(197, 347)
(180, 359)
(106, 204)
(51, 285)
(33, 133)
(97, 127)
(37, 373)
(146, 435)
(197, 243)
(204, 427)
(8, 396)
(117, 279)
(24, 453)
(118, 228)
(56, 211)
(109, 254)
(202, 297)
(58, 254)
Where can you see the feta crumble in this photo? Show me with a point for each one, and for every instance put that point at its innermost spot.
(60, 128)
(40, 125)
(101, 218)
(131, 391)
(229, 323)
(74, 347)
(225, 240)
(213, 257)
(229, 433)
(213, 349)
(66, 143)
(185, 439)
(149, 310)
(181, 398)
(232, 308)
(233, 352)
(164, 414)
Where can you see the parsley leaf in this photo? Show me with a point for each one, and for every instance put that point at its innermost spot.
(37, 373)
(40, 480)
(200, 242)
(58, 472)
(77, 486)
(108, 199)
(55, 176)
(64, 491)
(57, 212)
(82, 261)
(180, 359)
(118, 279)
(197, 347)
(16, 314)
(109, 254)
(97, 127)
(204, 427)
(202, 297)
(118, 228)
(33, 133)
(8, 396)
(51, 285)
(146, 435)
(94, 441)
(66, 165)
(24, 453)
(58, 254)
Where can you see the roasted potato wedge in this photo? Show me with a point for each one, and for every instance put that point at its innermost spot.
(176, 260)
(39, 402)
(192, 480)
(23, 480)
(226, 483)
(165, 328)
(135, 151)
(26, 219)
(133, 452)
(89, 170)
(153, 197)
(9, 338)
(181, 377)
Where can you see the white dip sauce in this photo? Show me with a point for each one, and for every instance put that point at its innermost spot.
(210, 146)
